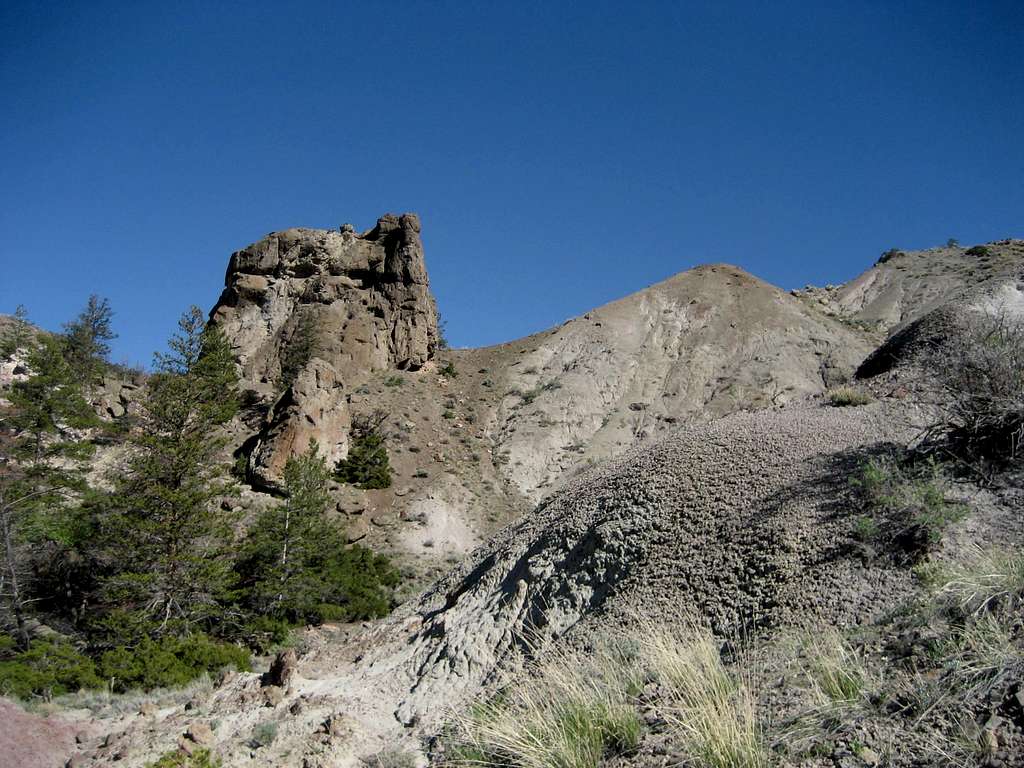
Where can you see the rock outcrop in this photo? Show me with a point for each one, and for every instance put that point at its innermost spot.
(310, 312)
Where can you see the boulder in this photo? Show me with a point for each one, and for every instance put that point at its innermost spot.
(281, 671)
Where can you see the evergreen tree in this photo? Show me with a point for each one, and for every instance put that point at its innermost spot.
(18, 334)
(367, 465)
(44, 475)
(296, 566)
(170, 539)
(298, 351)
(86, 339)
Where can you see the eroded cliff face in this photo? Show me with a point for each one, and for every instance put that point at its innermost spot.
(308, 313)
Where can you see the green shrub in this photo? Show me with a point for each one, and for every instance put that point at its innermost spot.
(980, 251)
(392, 758)
(263, 734)
(48, 668)
(890, 254)
(394, 381)
(169, 661)
(448, 370)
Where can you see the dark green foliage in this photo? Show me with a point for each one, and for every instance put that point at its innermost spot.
(297, 351)
(892, 253)
(168, 661)
(296, 566)
(48, 668)
(35, 491)
(367, 465)
(952, 243)
(980, 251)
(448, 370)
(167, 537)
(49, 403)
(86, 339)
(17, 335)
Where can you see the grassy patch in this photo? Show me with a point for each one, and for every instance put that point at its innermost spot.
(849, 396)
(571, 712)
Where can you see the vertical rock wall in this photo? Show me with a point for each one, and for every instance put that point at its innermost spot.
(357, 302)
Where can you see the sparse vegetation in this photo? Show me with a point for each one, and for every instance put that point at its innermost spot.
(980, 251)
(980, 373)
(849, 396)
(905, 500)
(448, 370)
(200, 758)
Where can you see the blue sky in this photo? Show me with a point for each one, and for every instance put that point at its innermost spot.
(560, 154)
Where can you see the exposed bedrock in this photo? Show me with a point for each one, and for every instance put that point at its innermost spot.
(308, 313)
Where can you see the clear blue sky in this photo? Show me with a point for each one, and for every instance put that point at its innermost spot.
(560, 154)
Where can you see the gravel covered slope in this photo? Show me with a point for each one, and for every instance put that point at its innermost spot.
(740, 520)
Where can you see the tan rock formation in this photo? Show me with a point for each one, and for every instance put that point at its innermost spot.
(307, 313)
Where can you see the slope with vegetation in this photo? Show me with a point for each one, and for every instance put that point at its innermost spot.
(741, 556)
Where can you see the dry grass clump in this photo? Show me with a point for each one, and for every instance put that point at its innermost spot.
(710, 711)
(834, 670)
(836, 682)
(984, 597)
(988, 581)
(849, 396)
(576, 709)
(569, 713)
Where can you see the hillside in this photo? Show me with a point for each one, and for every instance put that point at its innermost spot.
(674, 456)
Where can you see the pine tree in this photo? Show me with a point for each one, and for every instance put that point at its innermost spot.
(18, 334)
(44, 476)
(86, 339)
(286, 538)
(367, 465)
(169, 538)
(296, 566)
